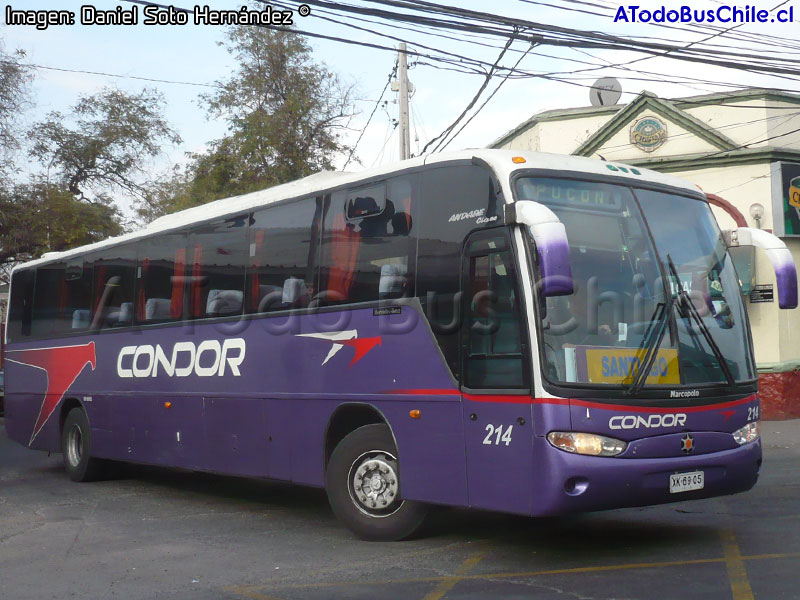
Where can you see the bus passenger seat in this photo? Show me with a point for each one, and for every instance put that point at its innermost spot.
(157, 308)
(269, 297)
(125, 313)
(293, 290)
(80, 319)
(224, 302)
(392, 282)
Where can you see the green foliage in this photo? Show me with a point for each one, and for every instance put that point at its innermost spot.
(111, 135)
(14, 80)
(36, 218)
(285, 115)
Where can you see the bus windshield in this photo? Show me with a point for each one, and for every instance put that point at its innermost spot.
(656, 303)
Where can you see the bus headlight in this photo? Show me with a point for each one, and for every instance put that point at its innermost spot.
(586, 443)
(748, 433)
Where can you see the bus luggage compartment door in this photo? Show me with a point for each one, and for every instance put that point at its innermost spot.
(499, 451)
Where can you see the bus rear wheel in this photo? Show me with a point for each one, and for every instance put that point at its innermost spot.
(363, 485)
(76, 446)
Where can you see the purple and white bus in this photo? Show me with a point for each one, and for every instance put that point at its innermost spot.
(517, 332)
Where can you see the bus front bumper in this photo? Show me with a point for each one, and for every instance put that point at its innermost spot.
(577, 483)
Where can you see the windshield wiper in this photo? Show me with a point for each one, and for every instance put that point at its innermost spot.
(686, 302)
(651, 342)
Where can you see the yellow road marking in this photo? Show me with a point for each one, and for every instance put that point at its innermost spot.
(448, 584)
(737, 573)
(246, 592)
(516, 575)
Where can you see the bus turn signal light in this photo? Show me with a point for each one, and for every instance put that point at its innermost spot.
(167, 404)
(518, 160)
(414, 414)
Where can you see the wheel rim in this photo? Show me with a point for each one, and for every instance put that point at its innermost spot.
(74, 446)
(374, 485)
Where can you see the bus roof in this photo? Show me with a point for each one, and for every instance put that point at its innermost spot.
(500, 161)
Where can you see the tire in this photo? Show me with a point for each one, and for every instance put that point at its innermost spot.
(76, 447)
(368, 454)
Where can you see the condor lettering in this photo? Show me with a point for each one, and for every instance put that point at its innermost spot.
(648, 422)
(208, 359)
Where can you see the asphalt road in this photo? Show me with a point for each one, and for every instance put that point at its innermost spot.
(163, 534)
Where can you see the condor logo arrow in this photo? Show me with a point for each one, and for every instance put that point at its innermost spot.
(62, 366)
(340, 339)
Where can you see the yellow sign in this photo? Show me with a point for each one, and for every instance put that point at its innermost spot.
(620, 365)
(794, 195)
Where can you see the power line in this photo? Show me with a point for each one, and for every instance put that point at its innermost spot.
(374, 108)
(578, 38)
(441, 9)
(472, 102)
(723, 127)
(462, 61)
(689, 161)
(117, 75)
(485, 102)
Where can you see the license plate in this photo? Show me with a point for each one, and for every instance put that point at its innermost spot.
(686, 482)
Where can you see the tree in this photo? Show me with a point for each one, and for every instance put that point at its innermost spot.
(285, 115)
(38, 217)
(112, 135)
(14, 80)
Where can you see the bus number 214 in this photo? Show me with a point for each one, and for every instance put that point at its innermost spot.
(500, 435)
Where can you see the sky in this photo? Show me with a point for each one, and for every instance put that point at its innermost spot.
(192, 54)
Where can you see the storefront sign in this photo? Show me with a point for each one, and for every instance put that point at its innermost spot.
(786, 199)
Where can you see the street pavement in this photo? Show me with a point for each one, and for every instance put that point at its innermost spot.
(158, 533)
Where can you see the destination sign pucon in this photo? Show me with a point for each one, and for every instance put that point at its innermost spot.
(548, 192)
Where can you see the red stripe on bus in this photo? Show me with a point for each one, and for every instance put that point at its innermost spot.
(665, 409)
(426, 392)
(507, 398)
(516, 399)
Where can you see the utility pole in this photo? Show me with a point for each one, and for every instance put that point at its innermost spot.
(402, 76)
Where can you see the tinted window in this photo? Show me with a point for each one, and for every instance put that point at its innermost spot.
(114, 280)
(366, 201)
(284, 244)
(47, 299)
(19, 316)
(62, 298)
(161, 278)
(493, 357)
(455, 201)
(218, 255)
(367, 243)
(75, 298)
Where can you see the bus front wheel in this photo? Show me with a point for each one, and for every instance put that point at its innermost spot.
(363, 485)
(76, 446)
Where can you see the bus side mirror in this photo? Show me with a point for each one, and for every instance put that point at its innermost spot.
(777, 253)
(552, 247)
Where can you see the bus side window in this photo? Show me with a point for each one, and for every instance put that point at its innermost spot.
(62, 298)
(75, 298)
(161, 275)
(455, 200)
(283, 250)
(113, 292)
(368, 242)
(47, 299)
(21, 308)
(217, 255)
